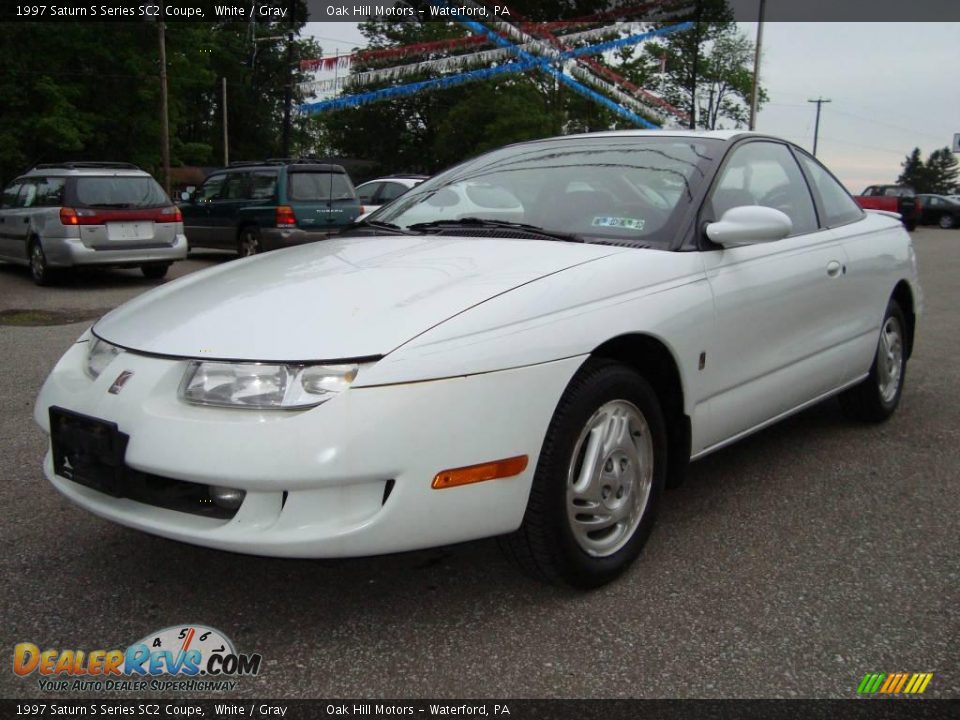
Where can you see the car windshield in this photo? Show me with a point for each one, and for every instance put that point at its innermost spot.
(626, 188)
(125, 192)
(307, 186)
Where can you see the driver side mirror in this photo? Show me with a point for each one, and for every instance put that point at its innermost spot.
(750, 224)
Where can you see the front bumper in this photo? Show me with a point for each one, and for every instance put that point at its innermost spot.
(69, 252)
(316, 479)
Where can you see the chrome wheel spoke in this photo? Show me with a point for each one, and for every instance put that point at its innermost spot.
(889, 359)
(610, 477)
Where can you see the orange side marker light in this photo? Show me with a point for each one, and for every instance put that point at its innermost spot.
(479, 473)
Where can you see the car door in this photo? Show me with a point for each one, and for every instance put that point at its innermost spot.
(196, 211)
(225, 207)
(861, 299)
(9, 247)
(773, 346)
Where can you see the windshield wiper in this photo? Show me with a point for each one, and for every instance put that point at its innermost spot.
(499, 224)
(113, 205)
(376, 225)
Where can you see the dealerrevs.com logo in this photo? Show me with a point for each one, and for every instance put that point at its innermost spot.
(180, 657)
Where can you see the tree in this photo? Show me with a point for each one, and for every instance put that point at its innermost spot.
(942, 172)
(914, 172)
(715, 58)
(93, 93)
(938, 175)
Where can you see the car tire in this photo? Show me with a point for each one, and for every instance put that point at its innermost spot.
(947, 221)
(584, 527)
(155, 271)
(249, 242)
(877, 397)
(40, 271)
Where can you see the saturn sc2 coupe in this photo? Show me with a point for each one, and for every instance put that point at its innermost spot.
(532, 344)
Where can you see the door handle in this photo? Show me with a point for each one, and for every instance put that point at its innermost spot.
(833, 268)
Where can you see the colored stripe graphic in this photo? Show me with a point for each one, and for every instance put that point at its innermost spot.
(894, 683)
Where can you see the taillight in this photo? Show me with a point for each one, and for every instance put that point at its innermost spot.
(79, 216)
(285, 216)
(362, 211)
(170, 214)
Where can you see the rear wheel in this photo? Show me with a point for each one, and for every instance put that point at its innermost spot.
(249, 243)
(875, 399)
(40, 271)
(155, 271)
(947, 221)
(598, 481)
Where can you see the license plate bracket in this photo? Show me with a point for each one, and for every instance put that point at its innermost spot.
(88, 451)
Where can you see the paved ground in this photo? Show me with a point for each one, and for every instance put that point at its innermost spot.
(788, 565)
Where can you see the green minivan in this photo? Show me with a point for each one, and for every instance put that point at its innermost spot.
(252, 207)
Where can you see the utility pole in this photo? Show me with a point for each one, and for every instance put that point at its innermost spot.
(226, 144)
(288, 97)
(756, 68)
(816, 128)
(693, 70)
(288, 91)
(164, 108)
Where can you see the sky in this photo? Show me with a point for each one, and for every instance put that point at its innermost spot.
(892, 88)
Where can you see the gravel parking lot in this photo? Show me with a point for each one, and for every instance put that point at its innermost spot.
(788, 565)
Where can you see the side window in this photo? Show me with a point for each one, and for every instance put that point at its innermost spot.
(236, 187)
(10, 195)
(28, 194)
(838, 206)
(210, 190)
(391, 191)
(263, 185)
(765, 173)
(365, 194)
(50, 192)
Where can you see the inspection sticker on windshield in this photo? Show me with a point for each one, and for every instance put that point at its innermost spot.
(619, 222)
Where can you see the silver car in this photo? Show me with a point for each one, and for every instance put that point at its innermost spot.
(58, 216)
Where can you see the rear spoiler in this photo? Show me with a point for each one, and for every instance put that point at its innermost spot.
(888, 213)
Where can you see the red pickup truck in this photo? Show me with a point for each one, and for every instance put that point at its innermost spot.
(899, 199)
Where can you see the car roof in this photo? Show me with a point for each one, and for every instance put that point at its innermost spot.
(72, 169)
(413, 179)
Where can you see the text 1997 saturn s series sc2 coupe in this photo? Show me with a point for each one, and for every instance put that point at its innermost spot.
(541, 366)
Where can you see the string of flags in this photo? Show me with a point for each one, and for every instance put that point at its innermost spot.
(519, 47)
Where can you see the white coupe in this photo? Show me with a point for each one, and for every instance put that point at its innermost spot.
(653, 297)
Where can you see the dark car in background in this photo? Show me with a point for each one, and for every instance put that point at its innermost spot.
(58, 216)
(252, 207)
(939, 210)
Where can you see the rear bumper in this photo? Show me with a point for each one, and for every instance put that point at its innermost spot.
(276, 238)
(69, 252)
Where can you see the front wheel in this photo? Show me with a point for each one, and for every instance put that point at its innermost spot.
(598, 481)
(875, 399)
(947, 221)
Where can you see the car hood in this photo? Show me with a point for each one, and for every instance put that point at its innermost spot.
(334, 299)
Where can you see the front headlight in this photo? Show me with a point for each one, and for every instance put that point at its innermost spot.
(263, 386)
(99, 356)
